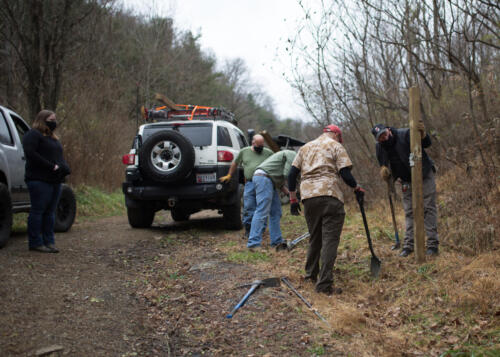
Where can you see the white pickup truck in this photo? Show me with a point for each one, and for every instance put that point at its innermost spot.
(14, 195)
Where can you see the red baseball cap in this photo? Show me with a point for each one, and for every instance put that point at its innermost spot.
(333, 129)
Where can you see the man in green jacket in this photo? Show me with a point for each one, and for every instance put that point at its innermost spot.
(249, 157)
(268, 178)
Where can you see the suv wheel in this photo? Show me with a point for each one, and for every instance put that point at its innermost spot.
(231, 214)
(5, 214)
(140, 217)
(66, 210)
(179, 214)
(167, 156)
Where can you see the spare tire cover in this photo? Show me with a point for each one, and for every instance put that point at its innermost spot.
(166, 156)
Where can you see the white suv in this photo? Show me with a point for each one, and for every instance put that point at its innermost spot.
(176, 162)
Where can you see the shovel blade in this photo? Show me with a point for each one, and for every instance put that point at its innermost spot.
(375, 264)
(270, 282)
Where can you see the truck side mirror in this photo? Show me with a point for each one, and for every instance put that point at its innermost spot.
(250, 133)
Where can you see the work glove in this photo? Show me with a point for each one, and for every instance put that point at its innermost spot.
(294, 207)
(360, 194)
(421, 128)
(385, 173)
(225, 179)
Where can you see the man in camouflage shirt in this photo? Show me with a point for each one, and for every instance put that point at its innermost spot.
(322, 162)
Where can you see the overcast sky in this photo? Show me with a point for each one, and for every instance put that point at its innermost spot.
(249, 29)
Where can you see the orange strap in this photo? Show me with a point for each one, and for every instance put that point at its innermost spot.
(192, 113)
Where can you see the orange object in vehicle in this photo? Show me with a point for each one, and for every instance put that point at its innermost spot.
(192, 113)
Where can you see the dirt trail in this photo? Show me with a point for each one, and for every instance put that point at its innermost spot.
(80, 298)
(165, 291)
(101, 295)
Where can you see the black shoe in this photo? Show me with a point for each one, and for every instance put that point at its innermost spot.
(432, 251)
(281, 246)
(330, 291)
(255, 248)
(41, 249)
(310, 279)
(52, 248)
(405, 252)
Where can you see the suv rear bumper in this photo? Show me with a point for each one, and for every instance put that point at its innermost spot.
(185, 192)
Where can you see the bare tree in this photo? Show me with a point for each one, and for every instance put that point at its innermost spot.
(41, 33)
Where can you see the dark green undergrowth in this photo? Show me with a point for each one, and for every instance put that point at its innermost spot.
(93, 202)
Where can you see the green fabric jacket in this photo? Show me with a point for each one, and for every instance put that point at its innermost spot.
(278, 165)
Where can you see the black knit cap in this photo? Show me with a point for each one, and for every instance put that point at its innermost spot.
(378, 130)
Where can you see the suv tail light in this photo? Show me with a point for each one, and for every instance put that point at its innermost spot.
(128, 159)
(224, 156)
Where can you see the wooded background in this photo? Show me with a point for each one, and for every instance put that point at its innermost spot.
(352, 64)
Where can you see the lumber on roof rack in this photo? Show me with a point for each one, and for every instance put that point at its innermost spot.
(170, 104)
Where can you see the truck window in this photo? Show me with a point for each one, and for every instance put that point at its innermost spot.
(241, 139)
(5, 137)
(200, 134)
(20, 125)
(223, 138)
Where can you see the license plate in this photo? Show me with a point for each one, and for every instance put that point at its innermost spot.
(206, 178)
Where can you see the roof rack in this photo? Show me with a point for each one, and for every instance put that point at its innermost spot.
(188, 112)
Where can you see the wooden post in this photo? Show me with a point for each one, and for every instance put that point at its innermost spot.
(269, 141)
(416, 176)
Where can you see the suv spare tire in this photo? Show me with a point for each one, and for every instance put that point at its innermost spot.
(166, 156)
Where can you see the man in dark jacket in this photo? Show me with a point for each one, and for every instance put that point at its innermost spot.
(393, 152)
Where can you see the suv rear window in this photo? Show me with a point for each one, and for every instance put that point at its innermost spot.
(223, 138)
(200, 134)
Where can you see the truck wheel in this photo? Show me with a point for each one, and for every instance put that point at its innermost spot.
(179, 215)
(167, 156)
(5, 214)
(231, 214)
(140, 217)
(66, 210)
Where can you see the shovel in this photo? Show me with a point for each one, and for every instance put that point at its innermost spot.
(293, 243)
(390, 190)
(269, 282)
(290, 286)
(375, 262)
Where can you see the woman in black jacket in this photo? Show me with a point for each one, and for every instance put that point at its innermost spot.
(45, 170)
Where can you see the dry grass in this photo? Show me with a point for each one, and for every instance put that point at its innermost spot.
(468, 207)
(447, 306)
(451, 302)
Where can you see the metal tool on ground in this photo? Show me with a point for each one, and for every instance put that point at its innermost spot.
(390, 190)
(293, 243)
(375, 262)
(269, 282)
(290, 286)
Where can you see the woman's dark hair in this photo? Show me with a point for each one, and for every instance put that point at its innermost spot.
(40, 125)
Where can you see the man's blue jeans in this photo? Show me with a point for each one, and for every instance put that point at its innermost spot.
(44, 197)
(249, 203)
(268, 206)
